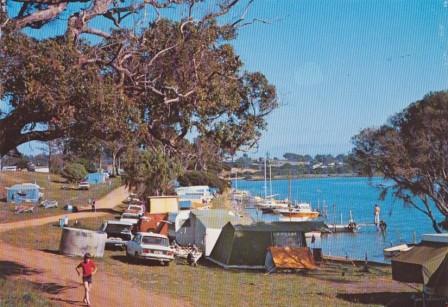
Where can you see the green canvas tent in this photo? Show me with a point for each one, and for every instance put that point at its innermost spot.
(426, 263)
(245, 246)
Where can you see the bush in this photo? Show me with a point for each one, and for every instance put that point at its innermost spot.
(74, 172)
(203, 178)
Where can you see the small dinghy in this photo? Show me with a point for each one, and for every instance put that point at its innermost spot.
(396, 250)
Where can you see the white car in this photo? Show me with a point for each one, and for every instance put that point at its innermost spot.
(136, 209)
(84, 185)
(130, 218)
(118, 233)
(150, 246)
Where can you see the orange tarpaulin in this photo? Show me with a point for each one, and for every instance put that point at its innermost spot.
(292, 258)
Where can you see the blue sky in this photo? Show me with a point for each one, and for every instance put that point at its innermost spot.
(340, 66)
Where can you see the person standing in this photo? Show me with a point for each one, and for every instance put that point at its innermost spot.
(93, 205)
(376, 212)
(88, 270)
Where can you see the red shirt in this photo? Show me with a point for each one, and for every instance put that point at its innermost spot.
(87, 267)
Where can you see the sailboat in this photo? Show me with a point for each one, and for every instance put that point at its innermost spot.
(268, 204)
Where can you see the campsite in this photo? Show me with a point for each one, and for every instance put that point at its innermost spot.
(223, 153)
(325, 286)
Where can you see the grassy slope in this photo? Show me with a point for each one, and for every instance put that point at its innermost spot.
(51, 184)
(208, 285)
(18, 293)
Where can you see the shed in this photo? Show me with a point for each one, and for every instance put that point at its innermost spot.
(96, 178)
(28, 192)
(162, 204)
(427, 264)
(246, 246)
(203, 227)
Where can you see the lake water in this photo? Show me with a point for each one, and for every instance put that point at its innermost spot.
(340, 195)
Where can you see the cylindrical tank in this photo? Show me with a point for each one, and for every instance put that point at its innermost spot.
(77, 242)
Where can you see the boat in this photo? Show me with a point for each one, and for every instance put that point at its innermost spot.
(397, 249)
(301, 210)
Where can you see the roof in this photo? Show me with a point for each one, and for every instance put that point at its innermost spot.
(292, 258)
(119, 222)
(24, 186)
(420, 263)
(152, 234)
(217, 218)
(436, 237)
(305, 226)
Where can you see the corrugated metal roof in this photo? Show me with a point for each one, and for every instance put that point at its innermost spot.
(217, 218)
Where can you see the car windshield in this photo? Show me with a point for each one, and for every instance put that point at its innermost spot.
(134, 208)
(116, 228)
(155, 240)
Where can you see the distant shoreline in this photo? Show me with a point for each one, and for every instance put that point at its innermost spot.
(309, 176)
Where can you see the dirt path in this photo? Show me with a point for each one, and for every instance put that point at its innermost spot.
(56, 276)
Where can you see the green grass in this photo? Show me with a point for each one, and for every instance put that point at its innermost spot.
(52, 185)
(209, 285)
(20, 293)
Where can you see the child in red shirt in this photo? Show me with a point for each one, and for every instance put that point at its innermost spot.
(88, 269)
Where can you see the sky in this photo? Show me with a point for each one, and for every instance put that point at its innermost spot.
(341, 66)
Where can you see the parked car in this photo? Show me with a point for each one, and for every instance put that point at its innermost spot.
(130, 218)
(84, 185)
(150, 246)
(119, 233)
(135, 209)
(47, 204)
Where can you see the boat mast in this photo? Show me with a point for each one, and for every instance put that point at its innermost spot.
(265, 183)
(270, 178)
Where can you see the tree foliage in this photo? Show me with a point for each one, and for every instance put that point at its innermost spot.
(190, 178)
(151, 172)
(74, 172)
(153, 84)
(412, 151)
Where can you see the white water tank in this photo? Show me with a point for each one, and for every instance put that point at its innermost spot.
(78, 242)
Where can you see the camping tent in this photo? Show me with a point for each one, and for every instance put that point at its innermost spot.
(203, 227)
(23, 192)
(245, 246)
(427, 264)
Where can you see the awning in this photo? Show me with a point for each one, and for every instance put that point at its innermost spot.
(420, 264)
(290, 258)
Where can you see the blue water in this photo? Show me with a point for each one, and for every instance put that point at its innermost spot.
(340, 195)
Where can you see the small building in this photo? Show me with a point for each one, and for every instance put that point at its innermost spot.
(96, 178)
(246, 246)
(23, 192)
(203, 227)
(426, 263)
(162, 204)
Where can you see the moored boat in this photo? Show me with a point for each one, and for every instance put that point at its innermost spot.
(396, 250)
(301, 210)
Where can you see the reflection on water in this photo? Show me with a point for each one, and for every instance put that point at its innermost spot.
(340, 195)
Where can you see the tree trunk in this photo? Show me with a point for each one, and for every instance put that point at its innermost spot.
(114, 164)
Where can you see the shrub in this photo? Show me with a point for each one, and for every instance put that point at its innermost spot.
(74, 172)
